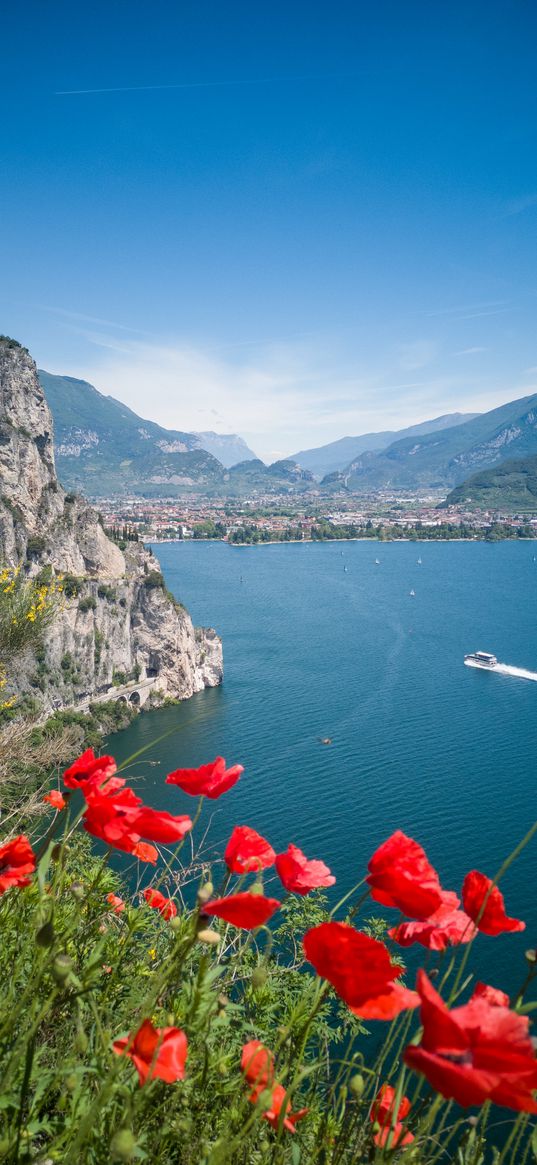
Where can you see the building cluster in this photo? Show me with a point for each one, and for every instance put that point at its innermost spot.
(164, 519)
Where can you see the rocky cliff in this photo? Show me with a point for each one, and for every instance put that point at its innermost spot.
(118, 633)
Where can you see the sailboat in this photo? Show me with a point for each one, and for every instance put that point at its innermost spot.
(377, 561)
(412, 593)
(419, 561)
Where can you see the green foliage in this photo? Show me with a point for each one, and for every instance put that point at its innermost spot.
(154, 580)
(88, 603)
(72, 585)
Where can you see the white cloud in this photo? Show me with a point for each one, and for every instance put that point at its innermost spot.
(280, 396)
(470, 351)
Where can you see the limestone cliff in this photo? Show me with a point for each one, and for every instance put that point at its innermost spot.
(118, 632)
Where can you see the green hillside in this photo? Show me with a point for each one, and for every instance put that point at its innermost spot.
(509, 486)
(337, 455)
(445, 458)
(103, 449)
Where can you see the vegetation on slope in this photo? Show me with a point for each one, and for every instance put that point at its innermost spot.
(510, 486)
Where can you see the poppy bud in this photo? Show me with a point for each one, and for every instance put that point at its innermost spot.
(57, 850)
(81, 1041)
(70, 1082)
(472, 1121)
(123, 1145)
(223, 1000)
(45, 935)
(531, 956)
(257, 888)
(176, 924)
(357, 1085)
(61, 968)
(208, 936)
(205, 893)
(77, 890)
(259, 977)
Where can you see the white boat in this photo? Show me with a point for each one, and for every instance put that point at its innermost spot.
(377, 561)
(412, 593)
(418, 560)
(481, 659)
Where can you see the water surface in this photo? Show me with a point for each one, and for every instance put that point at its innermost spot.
(419, 742)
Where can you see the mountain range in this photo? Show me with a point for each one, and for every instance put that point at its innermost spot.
(103, 448)
(444, 458)
(338, 455)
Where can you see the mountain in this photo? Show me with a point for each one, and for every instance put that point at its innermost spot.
(512, 485)
(103, 447)
(117, 633)
(444, 458)
(228, 448)
(337, 455)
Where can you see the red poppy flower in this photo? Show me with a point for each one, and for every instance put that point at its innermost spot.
(492, 995)
(478, 1052)
(120, 819)
(382, 1112)
(145, 852)
(246, 851)
(116, 903)
(245, 910)
(391, 1002)
(88, 770)
(17, 861)
(300, 875)
(257, 1063)
(157, 825)
(55, 799)
(279, 1100)
(157, 1053)
(111, 817)
(207, 781)
(476, 889)
(401, 875)
(165, 906)
(447, 926)
(357, 966)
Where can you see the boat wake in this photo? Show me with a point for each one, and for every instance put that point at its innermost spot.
(506, 670)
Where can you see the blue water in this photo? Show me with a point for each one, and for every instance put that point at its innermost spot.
(420, 742)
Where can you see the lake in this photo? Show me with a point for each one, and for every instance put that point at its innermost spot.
(419, 741)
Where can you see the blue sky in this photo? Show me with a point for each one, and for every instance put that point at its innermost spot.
(292, 220)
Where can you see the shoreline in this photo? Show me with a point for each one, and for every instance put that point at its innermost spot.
(327, 541)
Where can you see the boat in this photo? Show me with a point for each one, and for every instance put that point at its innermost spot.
(344, 568)
(481, 659)
(412, 593)
(418, 560)
(377, 561)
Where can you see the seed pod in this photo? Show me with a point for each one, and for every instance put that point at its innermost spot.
(531, 956)
(357, 1085)
(176, 924)
(259, 977)
(45, 935)
(205, 893)
(61, 968)
(81, 1041)
(123, 1145)
(208, 936)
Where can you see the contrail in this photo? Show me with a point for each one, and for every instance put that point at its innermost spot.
(184, 85)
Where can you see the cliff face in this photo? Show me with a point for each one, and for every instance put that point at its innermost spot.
(118, 633)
